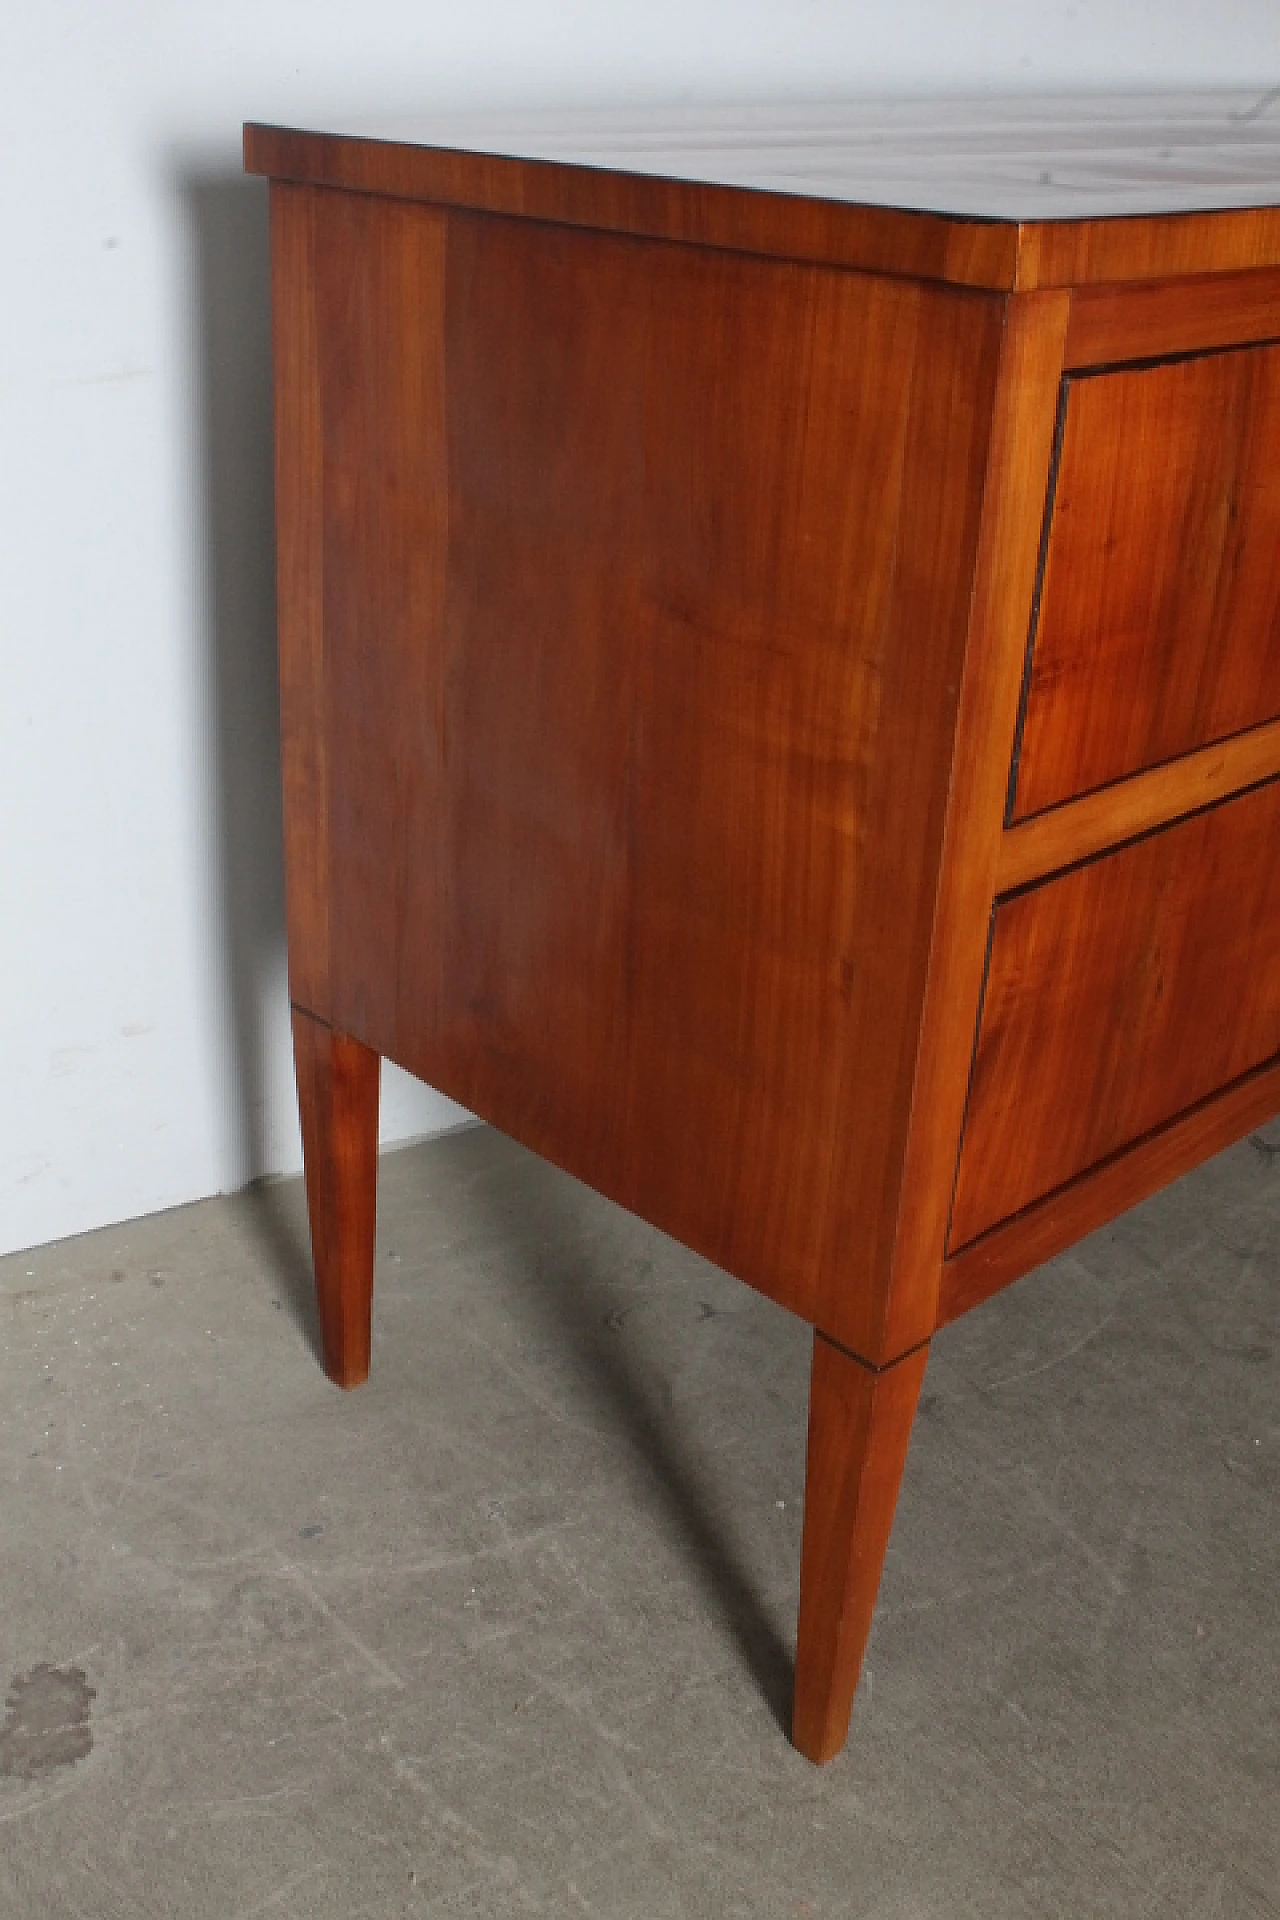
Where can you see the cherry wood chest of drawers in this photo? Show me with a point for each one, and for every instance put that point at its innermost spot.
(780, 651)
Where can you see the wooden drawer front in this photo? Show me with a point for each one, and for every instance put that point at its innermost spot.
(1118, 996)
(1158, 627)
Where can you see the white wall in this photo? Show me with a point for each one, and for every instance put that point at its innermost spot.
(143, 1033)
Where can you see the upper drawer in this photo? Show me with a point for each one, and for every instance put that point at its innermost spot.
(1158, 621)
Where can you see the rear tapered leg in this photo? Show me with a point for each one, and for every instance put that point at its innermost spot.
(859, 1429)
(338, 1104)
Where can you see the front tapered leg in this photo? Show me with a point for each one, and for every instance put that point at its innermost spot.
(338, 1104)
(859, 1428)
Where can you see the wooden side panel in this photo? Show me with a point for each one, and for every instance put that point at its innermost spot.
(644, 648)
(379, 276)
(1118, 996)
(300, 612)
(1159, 623)
(1017, 476)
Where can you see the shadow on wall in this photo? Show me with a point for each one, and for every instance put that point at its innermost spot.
(227, 218)
(227, 222)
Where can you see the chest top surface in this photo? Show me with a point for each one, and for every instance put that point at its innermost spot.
(996, 192)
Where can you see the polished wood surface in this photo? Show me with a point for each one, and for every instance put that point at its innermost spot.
(1049, 1226)
(650, 890)
(338, 1107)
(1016, 479)
(1064, 836)
(1006, 194)
(1119, 995)
(1114, 323)
(1159, 615)
(658, 560)
(1078, 253)
(859, 1429)
(300, 603)
(781, 225)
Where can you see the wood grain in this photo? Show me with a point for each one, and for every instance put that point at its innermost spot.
(1110, 324)
(1118, 996)
(1014, 486)
(1065, 835)
(859, 1429)
(1159, 623)
(643, 650)
(338, 1107)
(304, 727)
(1077, 253)
(378, 278)
(1049, 1226)
(783, 226)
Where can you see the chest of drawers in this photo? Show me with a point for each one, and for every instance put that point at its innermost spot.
(780, 660)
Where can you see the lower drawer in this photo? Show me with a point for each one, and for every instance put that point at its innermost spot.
(1118, 995)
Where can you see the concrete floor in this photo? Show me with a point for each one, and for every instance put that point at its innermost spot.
(508, 1631)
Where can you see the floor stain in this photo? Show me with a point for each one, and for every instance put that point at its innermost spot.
(47, 1725)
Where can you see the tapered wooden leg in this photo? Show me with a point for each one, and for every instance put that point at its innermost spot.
(338, 1103)
(859, 1428)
